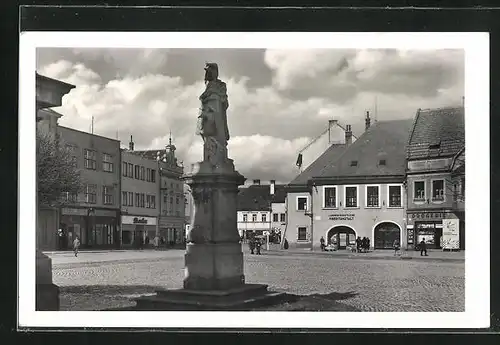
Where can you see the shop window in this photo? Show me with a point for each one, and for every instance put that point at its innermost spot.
(329, 197)
(394, 196)
(282, 217)
(419, 191)
(275, 217)
(245, 218)
(302, 233)
(263, 217)
(254, 217)
(108, 195)
(91, 193)
(107, 162)
(351, 196)
(130, 170)
(438, 190)
(301, 203)
(90, 159)
(372, 196)
(124, 169)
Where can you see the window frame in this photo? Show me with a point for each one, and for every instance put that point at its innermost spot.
(148, 174)
(379, 195)
(136, 171)
(263, 217)
(297, 203)
(298, 234)
(276, 217)
(124, 168)
(419, 201)
(137, 200)
(438, 201)
(124, 198)
(130, 199)
(357, 196)
(108, 192)
(282, 217)
(153, 175)
(93, 160)
(388, 205)
(142, 173)
(130, 170)
(87, 193)
(336, 197)
(254, 217)
(107, 163)
(245, 218)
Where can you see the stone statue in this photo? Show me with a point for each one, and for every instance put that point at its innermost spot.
(212, 120)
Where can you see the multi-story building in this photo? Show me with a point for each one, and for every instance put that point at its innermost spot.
(278, 208)
(172, 220)
(140, 206)
(354, 191)
(298, 191)
(94, 214)
(49, 94)
(436, 179)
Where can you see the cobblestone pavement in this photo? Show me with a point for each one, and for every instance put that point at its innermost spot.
(367, 285)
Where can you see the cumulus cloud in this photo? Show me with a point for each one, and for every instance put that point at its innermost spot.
(290, 100)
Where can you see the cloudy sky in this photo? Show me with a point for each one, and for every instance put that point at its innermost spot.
(279, 99)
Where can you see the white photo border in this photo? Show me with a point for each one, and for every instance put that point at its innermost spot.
(477, 259)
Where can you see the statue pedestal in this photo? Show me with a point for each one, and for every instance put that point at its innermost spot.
(214, 275)
(47, 293)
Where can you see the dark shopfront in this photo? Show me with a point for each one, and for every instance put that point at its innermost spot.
(425, 226)
(96, 228)
(137, 229)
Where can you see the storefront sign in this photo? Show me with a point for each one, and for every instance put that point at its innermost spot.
(451, 237)
(74, 211)
(427, 215)
(139, 220)
(339, 216)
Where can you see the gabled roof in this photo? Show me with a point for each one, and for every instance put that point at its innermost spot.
(259, 198)
(437, 133)
(383, 141)
(314, 169)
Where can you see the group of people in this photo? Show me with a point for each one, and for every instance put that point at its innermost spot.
(362, 244)
(255, 244)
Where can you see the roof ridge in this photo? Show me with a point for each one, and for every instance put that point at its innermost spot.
(414, 124)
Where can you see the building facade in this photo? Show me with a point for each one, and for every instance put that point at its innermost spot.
(172, 219)
(94, 214)
(140, 201)
(354, 190)
(49, 94)
(436, 179)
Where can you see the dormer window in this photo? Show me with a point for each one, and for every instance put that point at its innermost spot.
(354, 163)
(381, 162)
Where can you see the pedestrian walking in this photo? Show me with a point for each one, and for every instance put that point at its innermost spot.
(423, 247)
(258, 245)
(358, 244)
(396, 247)
(251, 245)
(156, 242)
(76, 245)
(322, 243)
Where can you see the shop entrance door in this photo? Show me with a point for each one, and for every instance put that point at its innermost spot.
(385, 235)
(342, 236)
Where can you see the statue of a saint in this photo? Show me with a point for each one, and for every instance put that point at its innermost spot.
(212, 120)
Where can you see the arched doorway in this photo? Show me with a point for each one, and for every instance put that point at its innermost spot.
(385, 234)
(342, 236)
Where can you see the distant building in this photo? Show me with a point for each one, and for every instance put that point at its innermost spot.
(278, 208)
(140, 197)
(436, 177)
(255, 207)
(172, 220)
(94, 214)
(352, 190)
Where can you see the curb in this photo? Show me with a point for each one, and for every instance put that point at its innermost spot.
(360, 257)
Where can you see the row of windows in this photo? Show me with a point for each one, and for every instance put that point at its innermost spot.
(351, 197)
(138, 172)
(438, 190)
(141, 200)
(108, 195)
(279, 217)
(90, 159)
(263, 217)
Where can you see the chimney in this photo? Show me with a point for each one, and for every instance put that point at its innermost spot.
(131, 144)
(273, 186)
(367, 121)
(348, 135)
(331, 123)
(256, 182)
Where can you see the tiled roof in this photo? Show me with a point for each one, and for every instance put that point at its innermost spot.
(383, 141)
(258, 197)
(443, 127)
(314, 169)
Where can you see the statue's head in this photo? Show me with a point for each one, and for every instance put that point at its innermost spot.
(211, 71)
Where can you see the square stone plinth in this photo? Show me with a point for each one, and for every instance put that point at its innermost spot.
(244, 297)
